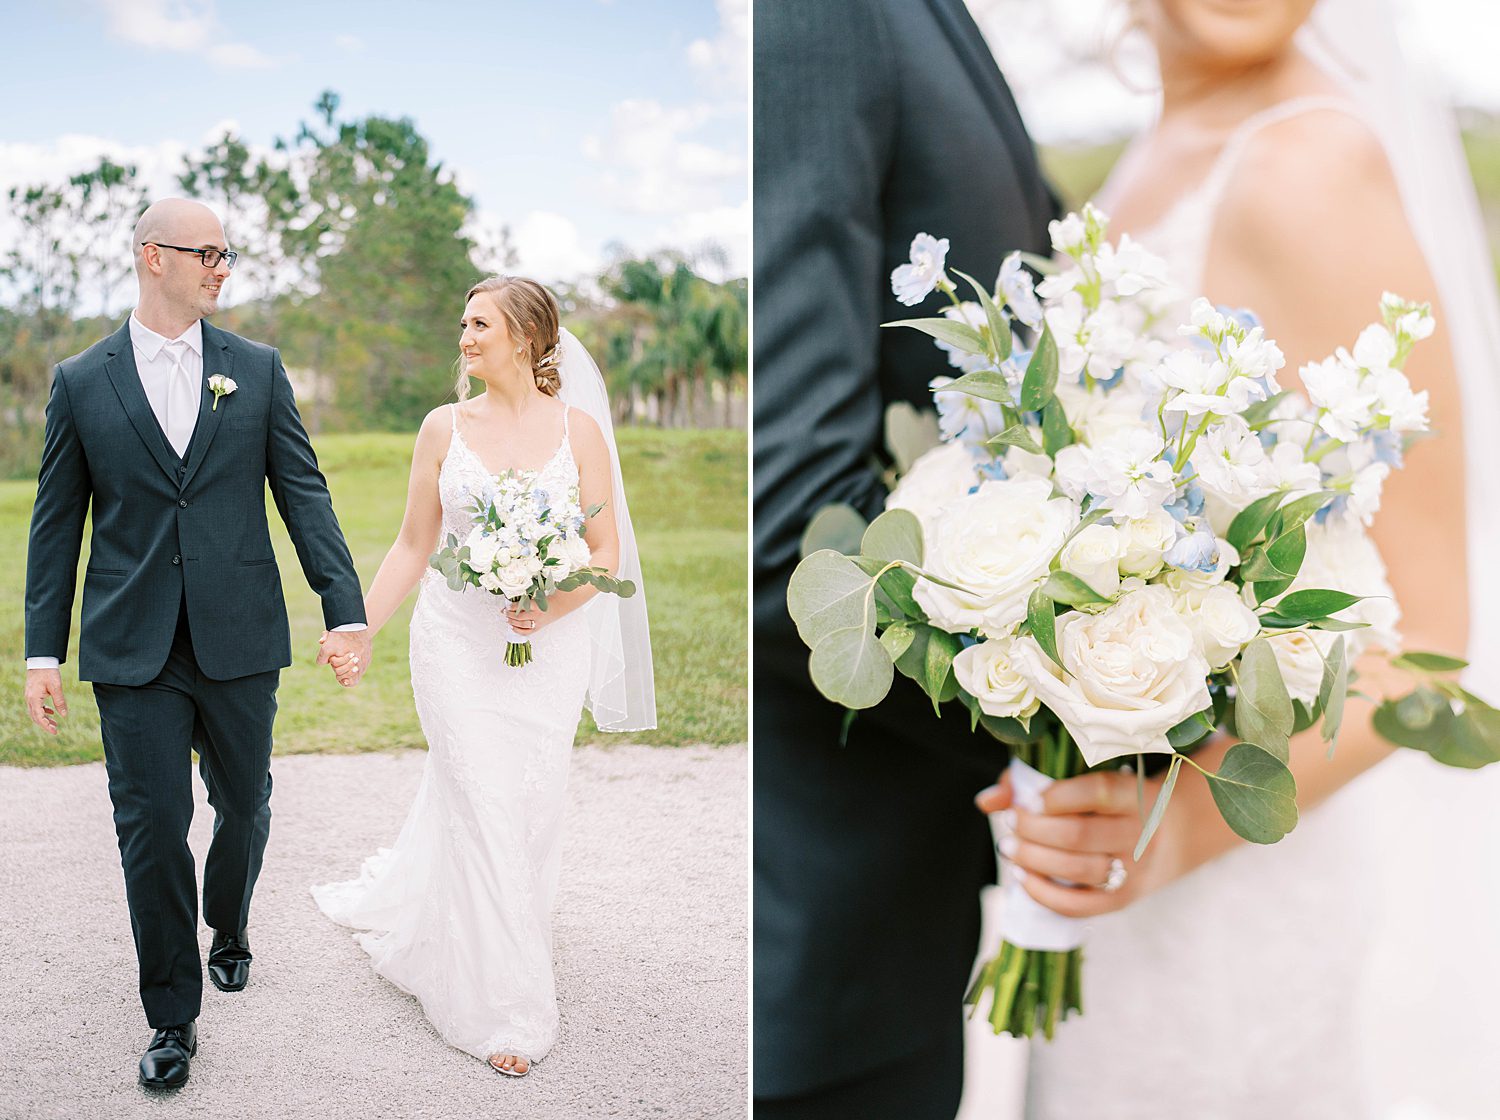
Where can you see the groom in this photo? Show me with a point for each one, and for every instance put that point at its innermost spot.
(171, 429)
(875, 120)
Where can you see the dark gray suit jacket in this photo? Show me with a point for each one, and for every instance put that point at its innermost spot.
(874, 120)
(165, 529)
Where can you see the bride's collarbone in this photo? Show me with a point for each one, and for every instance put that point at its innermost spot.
(513, 442)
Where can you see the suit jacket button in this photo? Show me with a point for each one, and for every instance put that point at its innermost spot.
(182, 502)
(177, 559)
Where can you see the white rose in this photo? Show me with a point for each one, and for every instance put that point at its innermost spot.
(489, 581)
(987, 671)
(1342, 557)
(1145, 539)
(1220, 621)
(1134, 672)
(515, 578)
(947, 472)
(1301, 663)
(576, 551)
(997, 544)
(1093, 555)
(482, 550)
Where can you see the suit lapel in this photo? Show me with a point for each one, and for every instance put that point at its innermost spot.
(979, 62)
(123, 375)
(217, 359)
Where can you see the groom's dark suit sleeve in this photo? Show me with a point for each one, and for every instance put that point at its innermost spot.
(819, 243)
(301, 495)
(62, 504)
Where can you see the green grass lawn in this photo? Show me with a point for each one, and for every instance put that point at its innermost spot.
(688, 501)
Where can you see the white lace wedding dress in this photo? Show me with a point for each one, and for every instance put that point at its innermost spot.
(458, 912)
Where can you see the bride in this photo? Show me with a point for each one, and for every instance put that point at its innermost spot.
(458, 911)
(1296, 172)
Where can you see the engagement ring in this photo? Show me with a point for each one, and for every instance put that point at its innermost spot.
(1117, 876)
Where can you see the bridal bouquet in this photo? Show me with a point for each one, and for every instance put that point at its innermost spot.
(1129, 537)
(524, 544)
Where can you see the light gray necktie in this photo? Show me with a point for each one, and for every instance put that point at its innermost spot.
(182, 399)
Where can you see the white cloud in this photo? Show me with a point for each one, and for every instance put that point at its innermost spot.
(550, 248)
(724, 228)
(724, 60)
(653, 165)
(351, 43)
(187, 26)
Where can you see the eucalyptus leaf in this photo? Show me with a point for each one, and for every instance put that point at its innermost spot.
(829, 593)
(1256, 794)
(850, 667)
(1160, 808)
(909, 433)
(895, 535)
(1423, 734)
(1476, 739)
(955, 334)
(1040, 381)
(1334, 690)
(837, 526)
(1263, 709)
(1429, 662)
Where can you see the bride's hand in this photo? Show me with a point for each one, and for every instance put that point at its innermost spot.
(1086, 823)
(526, 622)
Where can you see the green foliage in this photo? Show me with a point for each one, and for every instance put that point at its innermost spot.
(687, 498)
(1255, 793)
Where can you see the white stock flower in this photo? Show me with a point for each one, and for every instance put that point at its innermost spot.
(1093, 555)
(913, 282)
(1334, 385)
(1069, 236)
(996, 544)
(1126, 474)
(1130, 267)
(1416, 325)
(1026, 464)
(987, 671)
(1231, 462)
(1221, 622)
(942, 475)
(1133, 672)
(1099, 415)
(1093, 342)
(1206, 321)
(1015, 286)
(1287, 469)
(1375, 349)
(1198, 380)
(1403, 409)
(1146, 539)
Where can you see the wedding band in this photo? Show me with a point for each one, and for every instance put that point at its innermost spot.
(1117, 876)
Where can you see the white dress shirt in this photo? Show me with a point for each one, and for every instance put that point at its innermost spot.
(157, 360)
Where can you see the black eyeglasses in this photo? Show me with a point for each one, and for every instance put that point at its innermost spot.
(210, 257)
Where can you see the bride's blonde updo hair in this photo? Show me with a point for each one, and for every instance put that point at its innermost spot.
(531, 316)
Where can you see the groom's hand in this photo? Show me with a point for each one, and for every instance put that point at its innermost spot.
(347, 653)
(43, 685)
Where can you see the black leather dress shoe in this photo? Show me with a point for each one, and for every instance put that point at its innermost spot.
(165, 1063)
(229, 961)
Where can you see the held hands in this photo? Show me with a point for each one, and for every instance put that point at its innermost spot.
(43, 685)
(347, 652)
(1087, 822)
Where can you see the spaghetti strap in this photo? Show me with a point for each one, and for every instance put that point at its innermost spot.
(1219, 175)
(453, 415)
(567, 412)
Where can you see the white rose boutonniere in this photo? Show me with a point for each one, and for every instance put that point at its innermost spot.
(220, 386)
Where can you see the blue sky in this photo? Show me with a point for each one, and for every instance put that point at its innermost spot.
(576, 122)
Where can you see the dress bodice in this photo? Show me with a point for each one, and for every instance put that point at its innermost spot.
(464, 475)
(1183, 234)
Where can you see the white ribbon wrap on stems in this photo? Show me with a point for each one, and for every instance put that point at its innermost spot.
(1024, 921)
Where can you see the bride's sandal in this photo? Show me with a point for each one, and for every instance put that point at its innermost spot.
(497, 1060)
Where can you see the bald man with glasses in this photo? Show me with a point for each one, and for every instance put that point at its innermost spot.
(169, 431)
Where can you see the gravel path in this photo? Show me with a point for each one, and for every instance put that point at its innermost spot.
(651, 951)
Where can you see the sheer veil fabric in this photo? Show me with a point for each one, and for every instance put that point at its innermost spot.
(1432, 995)
(621, 692)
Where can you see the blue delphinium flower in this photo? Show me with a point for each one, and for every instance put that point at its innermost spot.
(1189, 505)
(1198, 551)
